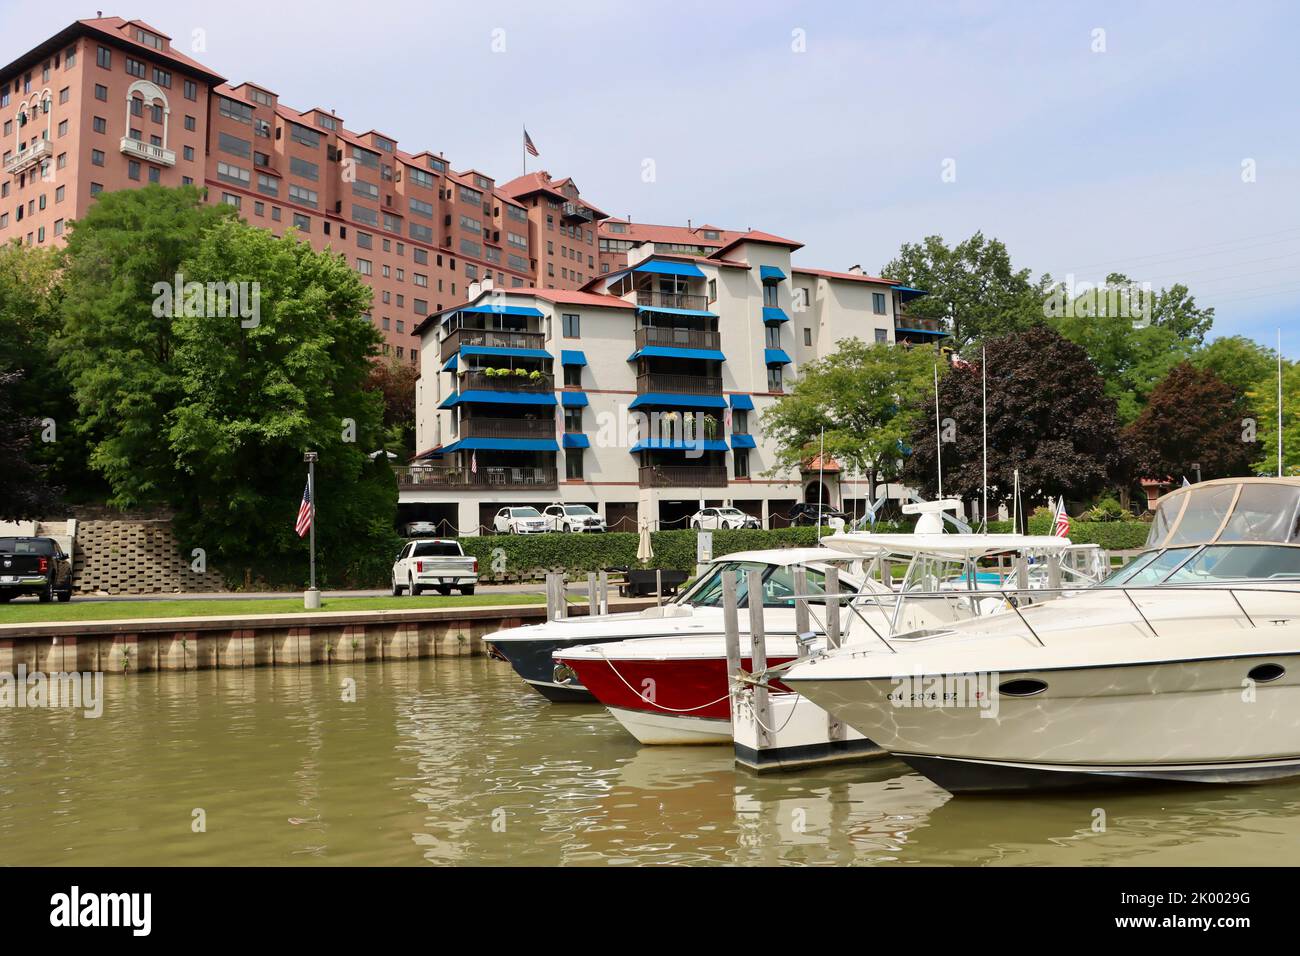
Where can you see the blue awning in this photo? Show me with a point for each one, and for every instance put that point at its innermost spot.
(906, 292)
(679, 444)
(498, 350)
(670, 269)
(452, 362)
(775, 357)
(666, 400)
(742, 403)
(665, 351)
(772, 314)
(770, 274)
(664, 308)
(498, 398)
(501, 310)
(920, 331)
(573, 399)
(502, 444)
(572, 357)
(577, 441)
(742, 441)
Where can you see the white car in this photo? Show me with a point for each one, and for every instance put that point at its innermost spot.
(441, 564)
(572, 518)
(715, 519)
(421, 529)
(519, 521)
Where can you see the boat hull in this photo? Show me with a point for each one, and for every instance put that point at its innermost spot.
(1198, 721)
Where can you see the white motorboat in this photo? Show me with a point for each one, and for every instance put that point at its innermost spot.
(1182, 666)
(696, 613)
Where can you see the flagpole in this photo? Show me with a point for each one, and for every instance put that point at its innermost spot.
(984, 372)
(938, 436)
(312, 598)
(821, 478)
(1279, 403)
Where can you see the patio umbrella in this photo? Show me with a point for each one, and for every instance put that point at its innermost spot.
(644, 552)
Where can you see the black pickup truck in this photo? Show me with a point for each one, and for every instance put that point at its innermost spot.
(34, 566)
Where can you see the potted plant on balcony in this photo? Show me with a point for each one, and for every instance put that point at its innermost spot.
(710, 427)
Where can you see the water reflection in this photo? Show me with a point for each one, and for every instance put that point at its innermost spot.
(455, 762)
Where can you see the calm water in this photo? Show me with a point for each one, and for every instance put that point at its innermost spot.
(455, 761)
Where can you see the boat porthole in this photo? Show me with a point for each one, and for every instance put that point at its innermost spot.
(1263, 673)
(1022, 687)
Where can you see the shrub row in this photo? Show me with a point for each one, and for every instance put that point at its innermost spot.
(578, 553)
(1111, 535)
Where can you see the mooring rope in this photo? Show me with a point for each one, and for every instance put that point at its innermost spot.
(653, 703)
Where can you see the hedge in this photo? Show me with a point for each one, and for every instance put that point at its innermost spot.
(1110, 535)
(526, 555)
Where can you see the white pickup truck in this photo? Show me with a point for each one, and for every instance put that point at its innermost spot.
(438, 563)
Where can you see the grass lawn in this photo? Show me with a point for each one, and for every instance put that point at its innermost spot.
(26, 611)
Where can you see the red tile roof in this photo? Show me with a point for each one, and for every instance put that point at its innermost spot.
(652, 232)
(755, 235)
(113, 27)
(852, 276)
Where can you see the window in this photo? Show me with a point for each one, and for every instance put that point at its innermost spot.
(97, 157)
(363, 214)
(365, 240)
(573, 464)
(59, 193)
(63, 128)
(230, 199)
(713, 288)
(303, 135)
(275, 213)
(365, 267)
(772, 335)
(191, 123)
(421, 256)
(300, 222)
(104, 57)
(878, 303)
(101, 92)
(155, 174)
(233, 174)
(136, 68)
(96, 188)
(419, 177)
(573, 376)
(571, 326)
(882, 335)
(365, 190)
(303, 196)
(232, 109)
(739, 421)
(740, 458)
(99, 124)
(58, 227)
(70, 58)
(421, 208)
(234, 145)
(162, 78)
(260, 98)
(300, 167)
(268, 185)
(191, 90)
(133, 169)
(149, 39)
(807, 337)
(769, 295)
(421, 233)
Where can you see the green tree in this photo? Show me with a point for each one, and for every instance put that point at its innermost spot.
(973, 287)
(1193, 417)
(25, 491)
(1048, 417)
(395, 382)
(1264, 402)
(114, 348)
(1241, 362)
(255, 392)
(866, 397)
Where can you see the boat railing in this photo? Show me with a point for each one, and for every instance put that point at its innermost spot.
(1014, 598)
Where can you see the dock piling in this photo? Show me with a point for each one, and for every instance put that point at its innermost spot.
(758, 658)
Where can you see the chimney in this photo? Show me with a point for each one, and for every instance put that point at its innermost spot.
(855, 269)
(472, 292)
(486, 284)
(688, 224)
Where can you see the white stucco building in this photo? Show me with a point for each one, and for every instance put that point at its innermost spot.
(640, 394)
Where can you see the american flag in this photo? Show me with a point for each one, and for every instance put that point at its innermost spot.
(528, 144)
(305, 511)
(1062, 520)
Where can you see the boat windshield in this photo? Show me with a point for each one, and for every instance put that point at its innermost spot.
(778, 584)
(1258, 511)
(1239, 562)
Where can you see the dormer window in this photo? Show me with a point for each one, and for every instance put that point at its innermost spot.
(149, 39)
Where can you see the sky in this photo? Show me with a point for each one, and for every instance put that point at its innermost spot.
(1158, 139)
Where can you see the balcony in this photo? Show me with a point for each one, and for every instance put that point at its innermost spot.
(491, 338)
(916, 323)
(671, 300)
(578, 212)
(679, 384)
(506, 383)
(683, 476)
(25, 159)
(677, 338)
(474, 427)
(148, 152)
(440, 477)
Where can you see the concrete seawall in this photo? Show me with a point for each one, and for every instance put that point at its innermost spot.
(264, 640)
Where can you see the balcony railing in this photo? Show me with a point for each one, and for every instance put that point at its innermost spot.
(25, 159)
(430, 478)
(683, 476)
(474, 427)
(679, 384)
(506, 383)
(917, 322)
(491, 338)
(677, 338)
(672, 300)
(148, 152)
(577, 211)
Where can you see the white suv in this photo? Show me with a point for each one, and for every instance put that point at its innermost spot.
(713, 519)
(573, 518)
(519, 521)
